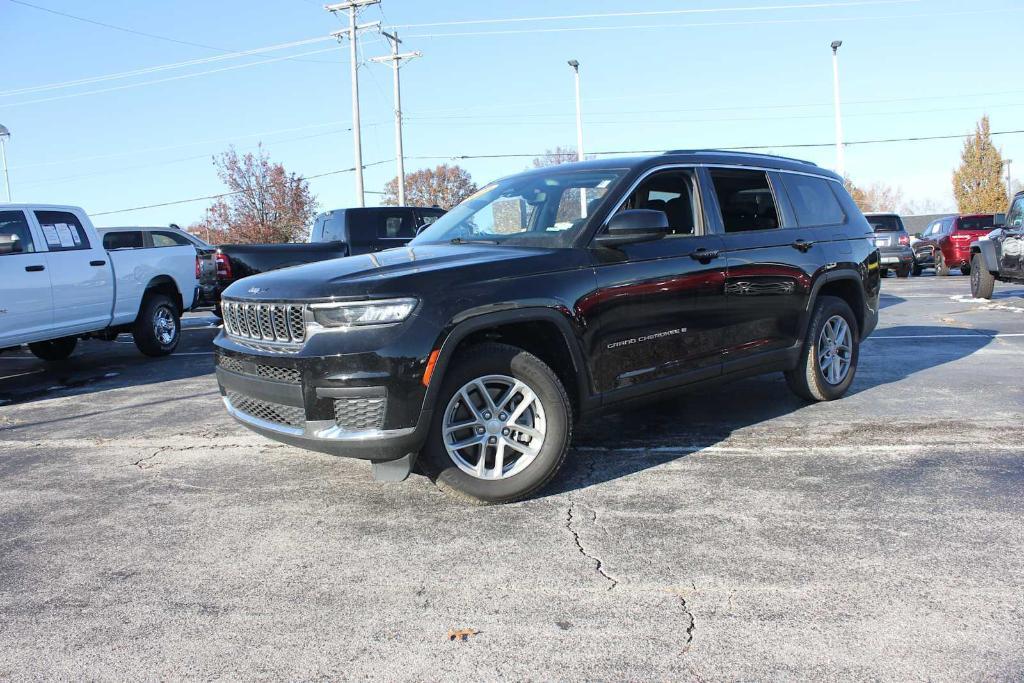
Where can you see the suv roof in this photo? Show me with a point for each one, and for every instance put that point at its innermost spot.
(706, 156)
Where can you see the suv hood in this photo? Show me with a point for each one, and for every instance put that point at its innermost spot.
(396, 271)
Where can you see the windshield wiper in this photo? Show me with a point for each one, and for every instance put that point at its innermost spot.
(463, 240)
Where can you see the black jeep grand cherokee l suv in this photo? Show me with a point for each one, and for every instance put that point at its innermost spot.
(550, 295)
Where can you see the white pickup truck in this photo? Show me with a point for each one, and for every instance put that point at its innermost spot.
(58, 284)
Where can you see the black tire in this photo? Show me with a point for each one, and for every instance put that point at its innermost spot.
(806, 379)
(54, 349)
(883, 272)
(217, 311)
(916, 270)
(982, 281)
(903, 271)
(152, 333)
(966, 270)
(940, 264)
(500, 360)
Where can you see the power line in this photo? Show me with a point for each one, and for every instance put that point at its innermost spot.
(228, 194)
(163, 80)
(651, 13)
(710, 24)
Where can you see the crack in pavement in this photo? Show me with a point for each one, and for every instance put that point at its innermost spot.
(598, 562)
(139, 463)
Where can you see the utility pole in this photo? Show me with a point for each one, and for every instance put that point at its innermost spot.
(840, 153)
(5, 135)
(579, 132)
(1009, 184)
(396, 62)
(352, 32)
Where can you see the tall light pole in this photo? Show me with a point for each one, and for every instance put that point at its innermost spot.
(579, 131)
(5, 135)
(840, 153)
(353, 7)
(1009, 184)
(396, 61)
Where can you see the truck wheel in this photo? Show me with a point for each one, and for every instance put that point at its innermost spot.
(828, 360)
(54, 349)
(158, 327)
(940, 264)
(502, 426)
(966, 270)
(903, 271)
(982, 281)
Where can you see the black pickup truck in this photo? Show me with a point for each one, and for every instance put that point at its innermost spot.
(338, 233)
(1000, 254)
(553, 294)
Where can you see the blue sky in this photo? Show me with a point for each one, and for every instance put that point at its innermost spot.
(736, 72)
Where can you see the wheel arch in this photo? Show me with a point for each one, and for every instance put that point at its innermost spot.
(163, 284)
(845, 285)
(542, 331)
(987, 249)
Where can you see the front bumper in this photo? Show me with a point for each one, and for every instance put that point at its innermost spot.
(366, 405)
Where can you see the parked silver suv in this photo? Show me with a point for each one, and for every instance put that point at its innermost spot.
(893, 243)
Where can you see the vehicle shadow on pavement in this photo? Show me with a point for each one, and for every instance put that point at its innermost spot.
(621, 444)
(96, 367)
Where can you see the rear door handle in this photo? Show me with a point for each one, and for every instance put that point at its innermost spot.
(802, 245)
(704, 255)
(35, 269)
(97, 263)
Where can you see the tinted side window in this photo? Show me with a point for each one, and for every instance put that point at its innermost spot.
(169, 239)
(813, 201)
(334, 228)
(62, 231)
(395, 224)
(671, 192)
(15, 235)
(425, 217)
(746, 200)
(127, 239)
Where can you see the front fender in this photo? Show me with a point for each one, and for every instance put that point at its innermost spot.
(989, 251)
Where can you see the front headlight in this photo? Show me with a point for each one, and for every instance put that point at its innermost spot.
(349, 313)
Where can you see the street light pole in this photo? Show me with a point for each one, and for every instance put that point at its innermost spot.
(579, 131)
(5, 135)
(840, 153)
(353, 7)
(396, 62)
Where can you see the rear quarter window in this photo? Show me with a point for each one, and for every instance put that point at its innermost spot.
(813, 201)
(127, 239)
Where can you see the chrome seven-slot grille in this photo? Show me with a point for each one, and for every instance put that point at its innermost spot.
(274, 323)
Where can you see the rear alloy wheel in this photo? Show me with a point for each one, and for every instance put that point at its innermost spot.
(504, 429)
(940, 264)
(982, 281)
(54, 349)
(828, 361)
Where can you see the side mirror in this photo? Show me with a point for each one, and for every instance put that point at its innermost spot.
(632, 226)
(999, 220)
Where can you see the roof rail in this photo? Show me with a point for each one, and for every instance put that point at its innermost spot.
(738, 153)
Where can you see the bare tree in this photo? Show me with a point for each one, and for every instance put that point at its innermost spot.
(443, 186)
(264, 204)
(556, 156)
(876, 197)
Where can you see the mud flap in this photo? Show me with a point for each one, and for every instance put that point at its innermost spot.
(394, 470)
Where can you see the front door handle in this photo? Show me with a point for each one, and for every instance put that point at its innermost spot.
(97, 263)
(802, 245)
(704, 255)
(35, 269)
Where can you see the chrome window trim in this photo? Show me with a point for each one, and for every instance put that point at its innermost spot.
(692, 168)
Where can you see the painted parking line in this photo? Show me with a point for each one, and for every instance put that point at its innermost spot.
(21, 374)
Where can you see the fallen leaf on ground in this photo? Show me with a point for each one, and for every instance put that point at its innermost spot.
(461, 633)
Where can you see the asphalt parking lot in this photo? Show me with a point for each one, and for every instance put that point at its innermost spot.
(733, 534)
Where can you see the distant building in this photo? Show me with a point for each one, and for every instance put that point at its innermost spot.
(916, 224)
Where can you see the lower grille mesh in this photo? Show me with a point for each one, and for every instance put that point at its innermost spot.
(359, 414)
(291, 416)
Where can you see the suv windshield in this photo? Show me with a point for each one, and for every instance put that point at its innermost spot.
(889, 223)
(976, 223)
(546, 209)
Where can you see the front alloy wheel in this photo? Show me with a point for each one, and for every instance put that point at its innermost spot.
(505, 427)
(494, 427)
